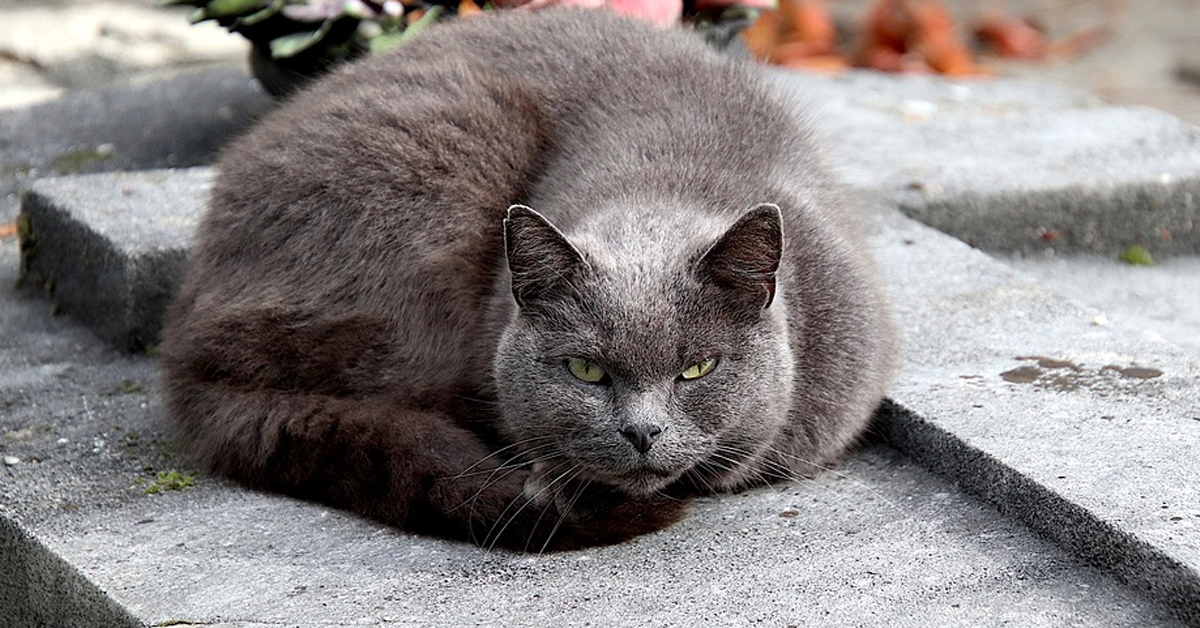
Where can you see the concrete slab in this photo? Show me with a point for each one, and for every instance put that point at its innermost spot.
(876, 542)
(872, 545)
(1012, 165)
(110, 249)
(177, 122)
(37, 588)
(1056, 183)
(1163, 299)
(1084, 431)
(96, 42)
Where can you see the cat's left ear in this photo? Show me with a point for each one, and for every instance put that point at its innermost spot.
(543, 263)
(744, 261)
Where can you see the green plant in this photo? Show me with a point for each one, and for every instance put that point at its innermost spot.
(169, 481)
(294, 40)
(290, 28)
(1137, 255)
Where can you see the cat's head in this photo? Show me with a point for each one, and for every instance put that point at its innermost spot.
(632, 359)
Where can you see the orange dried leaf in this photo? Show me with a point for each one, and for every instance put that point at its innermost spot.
(951, 60)
(913, 36)
(887, 23)
(793, 50)
(809, 22)
(1080, 43)
(8, 230)
(936, 40)
(468, 7)
(880, 57)
(798, 34)
(827, 63)
(1012, 37)
(764, 34)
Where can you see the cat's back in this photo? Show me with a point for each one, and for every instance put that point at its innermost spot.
(437, 138)
(412, 157)
(378, 193)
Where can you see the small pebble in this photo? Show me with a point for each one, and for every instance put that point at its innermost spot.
(1100, 321)
(11, 461)
(918, 110)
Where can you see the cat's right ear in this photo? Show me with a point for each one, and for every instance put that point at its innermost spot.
(544, 265)
(744, 261)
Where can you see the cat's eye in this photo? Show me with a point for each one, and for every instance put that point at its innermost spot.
(699, 369)
(586, 371)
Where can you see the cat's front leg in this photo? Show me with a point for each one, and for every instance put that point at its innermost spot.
(589, 513)
(548, 486)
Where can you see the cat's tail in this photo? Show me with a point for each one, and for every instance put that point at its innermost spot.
(378, 456)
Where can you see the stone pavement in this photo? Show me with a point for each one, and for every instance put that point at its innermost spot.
(1074, 428)
(50, 48)
(1062, 430)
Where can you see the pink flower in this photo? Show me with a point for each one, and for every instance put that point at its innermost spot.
(704, 5)
(660, 12)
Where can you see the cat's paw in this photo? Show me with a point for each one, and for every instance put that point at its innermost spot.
(545, 487)
(556, 513)
(538, 489)
(605, 516)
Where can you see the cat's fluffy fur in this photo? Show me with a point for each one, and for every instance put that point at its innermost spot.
(367, 323)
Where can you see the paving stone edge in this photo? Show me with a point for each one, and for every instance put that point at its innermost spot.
(1072, 527)
(38, 588)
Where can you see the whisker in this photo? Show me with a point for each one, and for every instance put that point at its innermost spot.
(496, 453)
(574, 473)
(499, 473)
(515, 462)
(493, 533)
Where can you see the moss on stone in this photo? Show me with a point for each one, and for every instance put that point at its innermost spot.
(124, 387)
(169, 481)
(83, 159)
(1137, 255)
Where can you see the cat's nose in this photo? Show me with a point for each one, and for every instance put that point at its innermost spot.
(642, 435)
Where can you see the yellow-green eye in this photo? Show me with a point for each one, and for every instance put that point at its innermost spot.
(586, 371)
(699, 369)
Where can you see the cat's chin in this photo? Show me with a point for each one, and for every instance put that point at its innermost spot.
(542, 487)
(639, 482)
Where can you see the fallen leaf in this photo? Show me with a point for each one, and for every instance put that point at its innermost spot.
(764, 34)
(799, 33)
(810, 24)
(1012, 37)
(1081, 42)
(8, 230)
(912, 36)
(936, 40)
(825, 63)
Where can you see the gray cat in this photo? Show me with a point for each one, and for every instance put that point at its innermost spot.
(375, 318)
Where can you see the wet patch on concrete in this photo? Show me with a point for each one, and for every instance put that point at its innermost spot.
(1060, 375)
